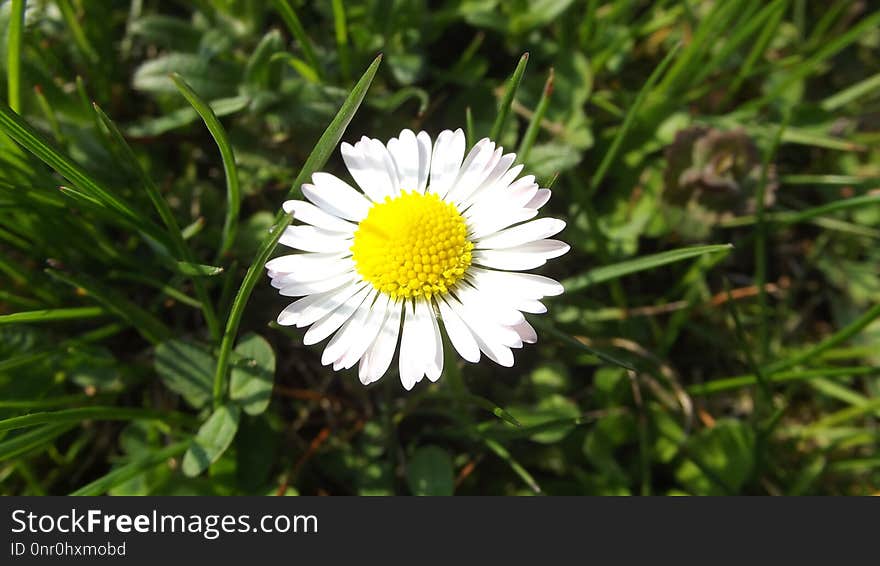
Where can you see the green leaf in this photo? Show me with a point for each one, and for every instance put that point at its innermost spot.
(617, 270)
(550, 409)
(253, 374)
(212, 440)
(186, 369)
(430, 472)
(213, 78)
(721, 459)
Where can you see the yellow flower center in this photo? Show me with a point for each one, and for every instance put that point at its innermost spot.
(413, 245)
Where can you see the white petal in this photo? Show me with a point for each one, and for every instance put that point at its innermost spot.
(371, 179)
(383, 163)
(405, 151)
(311, 239)
(491, 221)
(446, 161)
(424, 141)
(331, 301)
(526, 333)
(489, 183)
(344, 339)
(330, 323)
(530, 306)
(490, 337)
(294, 311)
(378, 357)
(539, 200)
(336, 197)
(435, 364)
(304, 262)
(367, 334)
(476, 166)
(526, 256)
(490, 305)
(320, 271)
(412, 348)
(459, 334)
(521, 234)
(528, 285)
(298, 289)
(311, 214)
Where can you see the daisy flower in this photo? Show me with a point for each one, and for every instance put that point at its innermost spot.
(432, 238)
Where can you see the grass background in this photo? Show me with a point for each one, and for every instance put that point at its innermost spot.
(717, 164)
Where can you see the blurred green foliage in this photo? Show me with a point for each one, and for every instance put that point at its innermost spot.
(664, 369)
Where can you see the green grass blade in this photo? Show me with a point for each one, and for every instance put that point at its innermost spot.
(13, 54)
(871, 85)
(628, 121)
(528, 139)
(740, 381)
(842, 335)
(299, 33)
(20, 131)
(760, 251)
(76, 30)
(95, 413)
(124, 473)
(233, 191)
(318, 157)
(150, 327)
(32, 440)
(610, 272)
(171, 226)
(52, 315)
(509, 95)
(340, 27)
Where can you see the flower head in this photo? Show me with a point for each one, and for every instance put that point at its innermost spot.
(433, 237)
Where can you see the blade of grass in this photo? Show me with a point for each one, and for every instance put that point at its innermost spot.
(808, 66)
(552, 330)
(528, 139)
(13, 54)
(32, 440)
(299, 33)
(233, 192)
(150, 327)
(609, 272)
(868, 86)
(76, 30)
(167, 216)
(93, 413)
(509, 95)
(52, 315)
(341, 29)
(845, 333)
(124, 473)
(48, 403)
(318, 157)
(761, 243)
(517, 468)
(20, 131)
(628, 121)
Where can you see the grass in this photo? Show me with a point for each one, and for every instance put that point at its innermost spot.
(716, 163)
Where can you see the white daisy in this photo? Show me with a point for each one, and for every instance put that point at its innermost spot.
(434, 237)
